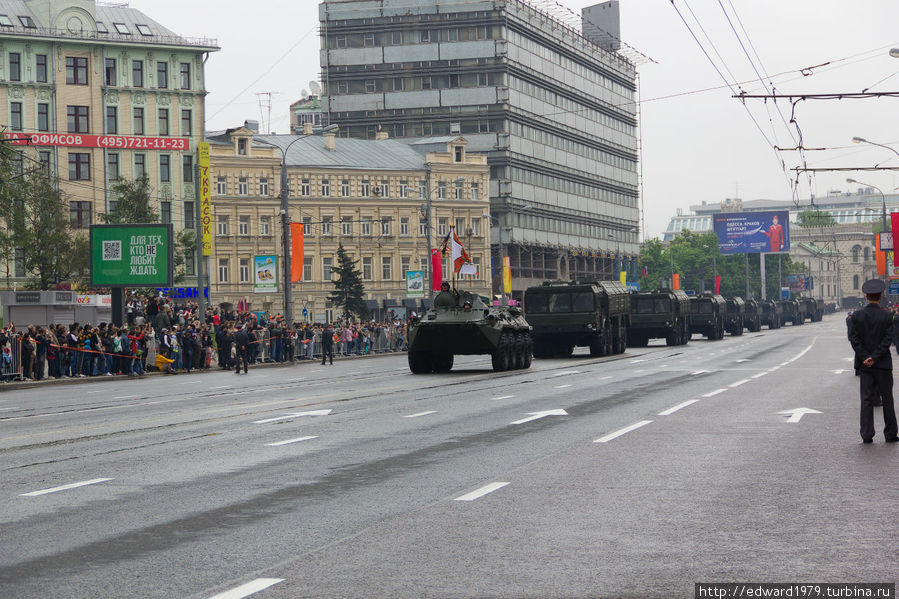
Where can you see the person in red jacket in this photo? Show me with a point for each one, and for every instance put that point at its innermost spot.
(775, 234)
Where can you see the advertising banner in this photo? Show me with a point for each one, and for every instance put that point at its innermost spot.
(798, 283)
(131, 255)
(415, 283)
(265, 274)
(753, 232)
(115, 142)
(205, 198)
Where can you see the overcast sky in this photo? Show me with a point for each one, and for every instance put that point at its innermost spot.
(697, 145)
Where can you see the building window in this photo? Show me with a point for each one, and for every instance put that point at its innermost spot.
(385, 189)
(326, 188)
(404, 266)
(138, 121)
(326, 269)
(162, 75)
(867, 253)
(77, 119)
(165, 212)
(185, 75)
(385, 226)
(476, 262)
(425, 36)
(366, 226)
(189, 215)
(40, 62)
(76, 70)
(386, 268)
(345, 188)
(476, 227)
(187, 168)
(222, 225)
(340, 41)
(163, 121)
(187, 123)
(441, 190)
(15, 116)
(855, 252)
(44, 158)
(110, 71)
(307, 268)
(243, 225)
(165, 168)
(80, 214)
(404, 225)
(475, 191)
(112, 167)
(326, 226)
(442, 226)
(112, 120)
(366, 268)
(122, 28)
(346, 226)
(368, 39)
(265, 226)
(243, 186)
(79, 166)
(397, 38)
(190, 265)
(366, 188)
(370, 86)
(855, 282)
(244, 270)
(137, 73)
(15, 66)
(307, 225)
(398, 84)
(223, 270)
(140, 166)
(422, 227)
(304, 188)
(458, 190)
(19, 262)
(221, 186)
(5, 21)
(143, 29)
(263, 186)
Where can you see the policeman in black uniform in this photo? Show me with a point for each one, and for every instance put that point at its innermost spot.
(328, 344)
(870, 333)
(242, 345)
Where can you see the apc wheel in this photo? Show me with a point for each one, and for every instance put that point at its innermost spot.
(526, 356)
(596, 348)
(443, 362)
(517, 355)
(500, 356)
(419, 362)
(620, 341)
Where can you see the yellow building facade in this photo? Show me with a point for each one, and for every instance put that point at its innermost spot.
(371, 196)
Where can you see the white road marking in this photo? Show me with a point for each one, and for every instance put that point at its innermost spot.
(743, 360)
(538, 415)
(622, 431)
(83, 483)
(221, 387)
(796, 415)
(671, 411)
(784, 363)
(566, 372)
(698, 372)
(9, 409)
(637, 361)
(296, 415)
(602, 378)
(802, 353)
(420, 414)
(759, 375)
(839, 371)
(501, 397)
(296, 380)
(738, 383)
(715, 392)
(127, 397)
(190, 383)
(485, 490)
(251, 588)
(289, 441)
(562, 386)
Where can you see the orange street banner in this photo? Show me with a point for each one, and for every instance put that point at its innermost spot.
(675, 281)
(296, 252)
(507, 275)
(205, 198)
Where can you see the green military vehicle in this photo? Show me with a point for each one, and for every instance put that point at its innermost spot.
(707, 313)
(791, 312)
(770, 314)
(752, 319)
(735, 311)
(463, 324)
(580, 313)
(659, 314)
(811, 309)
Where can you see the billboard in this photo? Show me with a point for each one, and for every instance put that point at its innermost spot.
(265, 274)
(132, 255)
(753, 232)
(205, 198)
(415, 283)
(113, 142)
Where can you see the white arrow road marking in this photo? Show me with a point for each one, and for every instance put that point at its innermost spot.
(83, 483)
(420, 414)
(671, 411)
(795, 415)
(715, 392)
(251, 588)
(501, 397)
(849, 359)
(839, 371)
(289, 441)
(562, 386)
(566, 372)
(738, 383)
(538, 415)
(622, 431)
(297, 415)
(481, 492)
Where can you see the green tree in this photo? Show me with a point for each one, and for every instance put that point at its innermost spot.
(348, 288)
(815, 218)
(133, 203)
(34, 221)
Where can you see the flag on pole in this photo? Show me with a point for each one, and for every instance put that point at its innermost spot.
(436, 270)
(462, 263)
(296, 253)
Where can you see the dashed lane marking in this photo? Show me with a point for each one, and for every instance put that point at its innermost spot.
(738, 383)
(83, 483)
(622, 431)
(715, 392)
(420, 414)
(251, 588)
(674, 409)
(289, 441)
(485, 490)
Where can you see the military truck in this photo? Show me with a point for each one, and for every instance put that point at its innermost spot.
(735, 311)
(811, 309)
(752, 318)
(770, 313)
(463, 324)
(707, 314)
(659, 314)
(579, 313)
(790, 312)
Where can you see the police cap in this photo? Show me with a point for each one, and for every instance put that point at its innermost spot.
(873, 287)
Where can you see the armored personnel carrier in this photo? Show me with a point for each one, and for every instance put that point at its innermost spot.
(707, 316)
(770, 313)
(734, 315)
(584, 313)
(811, 309)
(663, 313)
(791, 312)
(752, 318)
(463, 324)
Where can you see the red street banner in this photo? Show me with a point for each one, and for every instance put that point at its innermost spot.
(436, 269)
(718, 285)
(115, 142)
(296, 252)
(894, 222)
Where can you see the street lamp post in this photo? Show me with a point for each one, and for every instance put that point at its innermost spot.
(883, 200)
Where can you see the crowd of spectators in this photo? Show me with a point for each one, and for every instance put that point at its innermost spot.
(185, 340)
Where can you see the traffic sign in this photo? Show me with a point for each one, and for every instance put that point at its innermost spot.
(894, 289)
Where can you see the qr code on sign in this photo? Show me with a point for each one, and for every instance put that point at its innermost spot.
(112, 250)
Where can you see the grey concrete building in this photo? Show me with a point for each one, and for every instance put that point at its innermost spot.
(555, 111)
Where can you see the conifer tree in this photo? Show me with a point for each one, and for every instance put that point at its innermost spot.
(348, 288)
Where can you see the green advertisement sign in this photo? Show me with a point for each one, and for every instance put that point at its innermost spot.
(132, 255)
(265, 278)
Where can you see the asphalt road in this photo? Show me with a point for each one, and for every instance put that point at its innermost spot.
(631, 476)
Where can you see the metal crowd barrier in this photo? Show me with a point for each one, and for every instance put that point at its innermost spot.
(12, 370)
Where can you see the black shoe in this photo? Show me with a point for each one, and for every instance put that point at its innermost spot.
(323, 363)
(893, 440)
(867, 440)
(237, 371)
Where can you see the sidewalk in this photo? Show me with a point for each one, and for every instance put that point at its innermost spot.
(19, 385)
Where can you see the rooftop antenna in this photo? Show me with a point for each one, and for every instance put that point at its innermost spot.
(265, 110)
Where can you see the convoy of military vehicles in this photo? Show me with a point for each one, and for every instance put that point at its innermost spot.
(604, 316)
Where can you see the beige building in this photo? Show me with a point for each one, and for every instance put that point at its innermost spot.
(841, 256)
(101, 91)
(369, 195)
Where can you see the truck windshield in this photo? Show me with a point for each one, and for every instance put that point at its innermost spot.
(702, 308)
(536, 303)
(663, 305)
(582, 301)
(642, 305)
(560, 302)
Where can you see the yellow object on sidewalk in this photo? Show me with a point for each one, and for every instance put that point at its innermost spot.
(162, 361)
